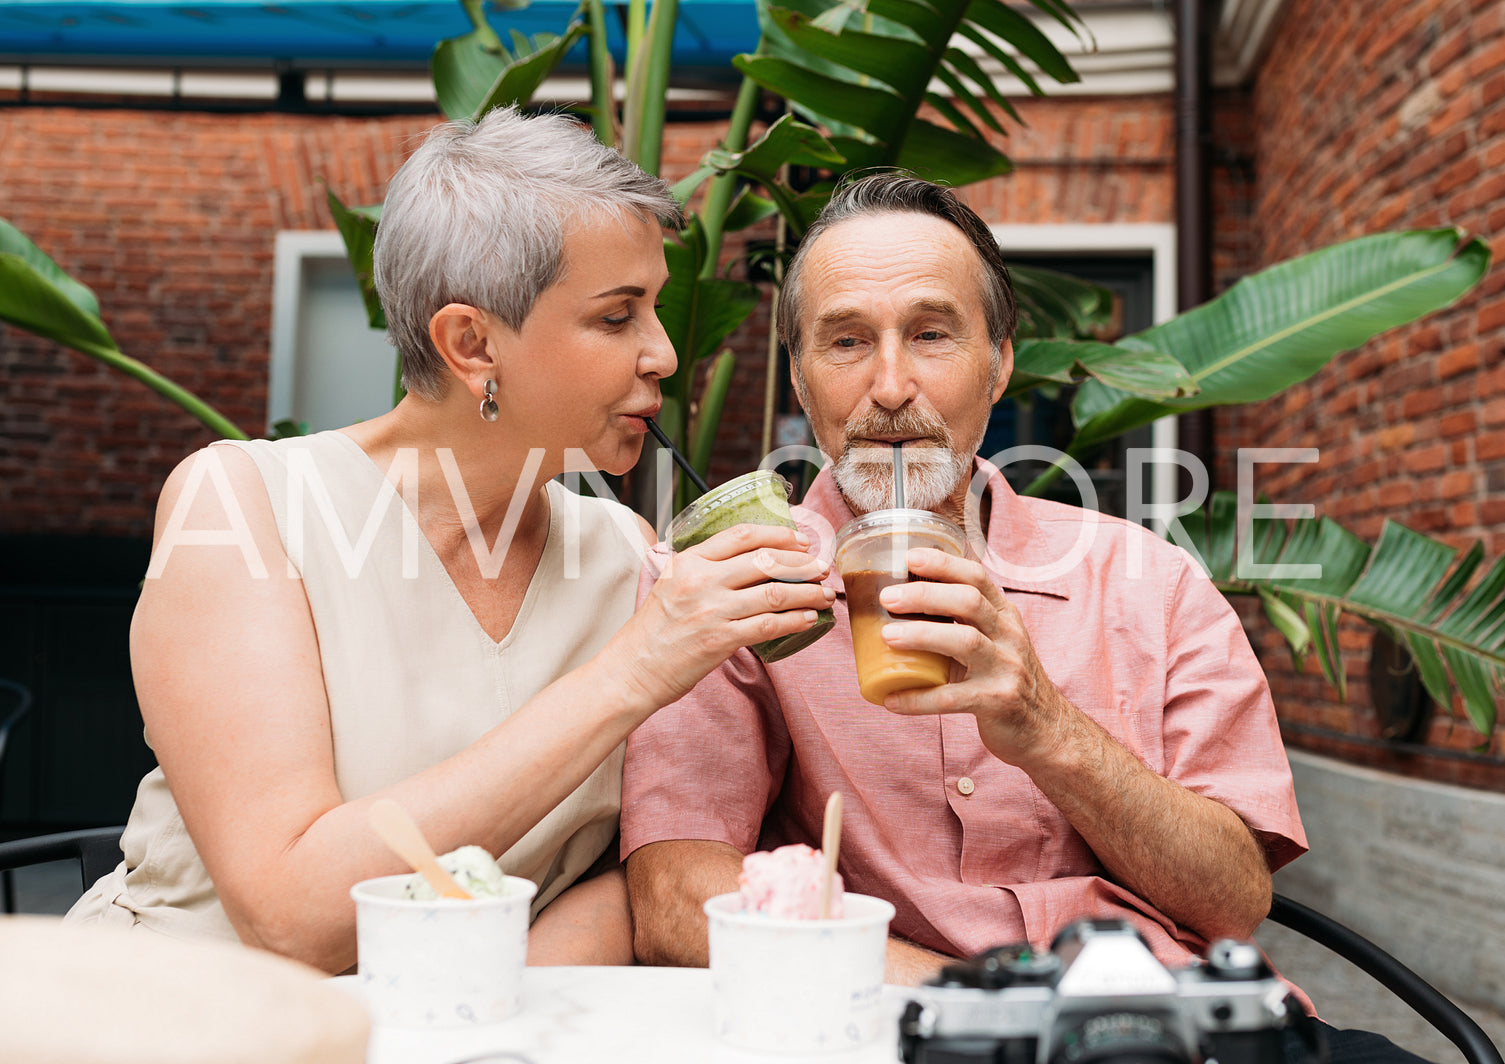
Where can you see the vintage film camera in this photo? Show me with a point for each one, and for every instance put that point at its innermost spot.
(1100, 995)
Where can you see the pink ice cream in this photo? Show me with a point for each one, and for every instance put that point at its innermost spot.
(786, 883)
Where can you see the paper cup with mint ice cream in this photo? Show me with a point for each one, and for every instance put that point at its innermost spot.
(757, 498)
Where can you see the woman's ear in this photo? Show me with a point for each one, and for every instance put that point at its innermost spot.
(460, 333)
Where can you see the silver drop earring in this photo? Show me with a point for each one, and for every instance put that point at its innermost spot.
(489, 410)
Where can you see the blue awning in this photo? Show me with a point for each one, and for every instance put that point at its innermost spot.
(311, 32)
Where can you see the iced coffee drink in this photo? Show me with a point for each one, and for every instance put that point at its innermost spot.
(870, 555)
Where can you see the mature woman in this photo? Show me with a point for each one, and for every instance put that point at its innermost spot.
(413, 607)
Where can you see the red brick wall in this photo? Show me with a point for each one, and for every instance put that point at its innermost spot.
(171, 220)
(1372, 116)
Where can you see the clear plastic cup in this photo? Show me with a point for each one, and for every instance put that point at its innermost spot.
(870, 555)
(757, 498)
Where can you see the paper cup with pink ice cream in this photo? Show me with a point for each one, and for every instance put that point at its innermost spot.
(785, 980)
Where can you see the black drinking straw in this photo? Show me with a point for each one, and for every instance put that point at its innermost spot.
(679, 459)
(898, 474)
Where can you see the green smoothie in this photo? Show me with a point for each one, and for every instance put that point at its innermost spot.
(757, 498)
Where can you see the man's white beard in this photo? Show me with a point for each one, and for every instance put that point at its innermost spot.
(932, 473)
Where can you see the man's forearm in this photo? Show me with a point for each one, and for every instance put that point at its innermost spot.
(1191, 857)
(668, 883)
(910, 965)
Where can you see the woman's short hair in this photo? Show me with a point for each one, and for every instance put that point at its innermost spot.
(896, 192)
(477, 215)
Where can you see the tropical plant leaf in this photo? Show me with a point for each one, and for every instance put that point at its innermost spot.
(948, 157)
(357, 226)
(533, 60)
(865, 70)
(1153, 374)
(464, 68)
(697, 312)
(1278, 327)
(1010, 25)
(1055, 305)
(898, 62)
(476, 72)
(708, 411)
(748, 209)
(14, 242)
(787, 141)
(1408, 584)
(951, 113)
(965, 66)
(843, 102)
(36, 302)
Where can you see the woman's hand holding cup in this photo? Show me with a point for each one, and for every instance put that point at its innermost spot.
(745, 585)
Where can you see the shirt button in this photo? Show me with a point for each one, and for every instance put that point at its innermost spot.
(965, 785)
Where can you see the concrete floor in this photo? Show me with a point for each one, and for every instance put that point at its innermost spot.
(1344, 995)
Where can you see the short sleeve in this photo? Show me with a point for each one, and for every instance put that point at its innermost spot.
(708, 766)
(1222, 737)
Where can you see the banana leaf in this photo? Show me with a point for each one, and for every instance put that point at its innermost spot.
(1312, 571)
(357, 226)
(1055, 305)
(1278, 327)
(476, 71)
(1146, 373)
(38, 295)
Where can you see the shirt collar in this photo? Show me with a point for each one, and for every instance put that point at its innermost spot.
(1018, 554)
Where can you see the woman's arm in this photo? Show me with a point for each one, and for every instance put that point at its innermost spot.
(228, 675)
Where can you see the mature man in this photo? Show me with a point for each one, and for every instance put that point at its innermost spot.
(1107, 745)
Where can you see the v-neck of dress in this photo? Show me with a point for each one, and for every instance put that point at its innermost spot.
(432, 559)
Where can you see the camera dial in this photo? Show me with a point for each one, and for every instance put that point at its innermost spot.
(1229, 958)
(1119, 1037)
(1002, 966)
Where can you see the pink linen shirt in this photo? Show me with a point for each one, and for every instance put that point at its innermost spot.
(969, 851)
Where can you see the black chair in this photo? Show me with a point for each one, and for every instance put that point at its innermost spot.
(1428, 1002)
(97, 851)
(22, 695)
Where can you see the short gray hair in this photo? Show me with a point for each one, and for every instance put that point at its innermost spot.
(896, 192)
(477, 216)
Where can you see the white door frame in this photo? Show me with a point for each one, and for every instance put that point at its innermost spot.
(1155, 239)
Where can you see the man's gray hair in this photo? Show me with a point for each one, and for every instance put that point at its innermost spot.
(897, 192)
(477, 215)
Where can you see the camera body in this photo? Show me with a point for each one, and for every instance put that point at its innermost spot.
(1099, 995)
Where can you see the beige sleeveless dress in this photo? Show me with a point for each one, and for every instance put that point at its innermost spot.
(411, 676)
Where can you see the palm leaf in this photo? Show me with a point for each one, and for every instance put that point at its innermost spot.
(863, 69)
(1311, 572)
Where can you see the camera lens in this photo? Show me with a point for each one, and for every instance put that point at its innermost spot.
(1119, 1038)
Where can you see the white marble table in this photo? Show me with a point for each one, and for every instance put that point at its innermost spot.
(623, 1015)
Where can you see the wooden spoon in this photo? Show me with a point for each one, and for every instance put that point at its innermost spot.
(397, 830)
(830, 843)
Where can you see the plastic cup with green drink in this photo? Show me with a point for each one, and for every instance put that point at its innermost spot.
(757, 498)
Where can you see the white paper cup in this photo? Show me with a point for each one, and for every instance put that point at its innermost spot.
(798, 986)
(440, 963)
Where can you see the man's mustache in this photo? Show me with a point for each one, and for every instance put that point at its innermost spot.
(910, 425)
